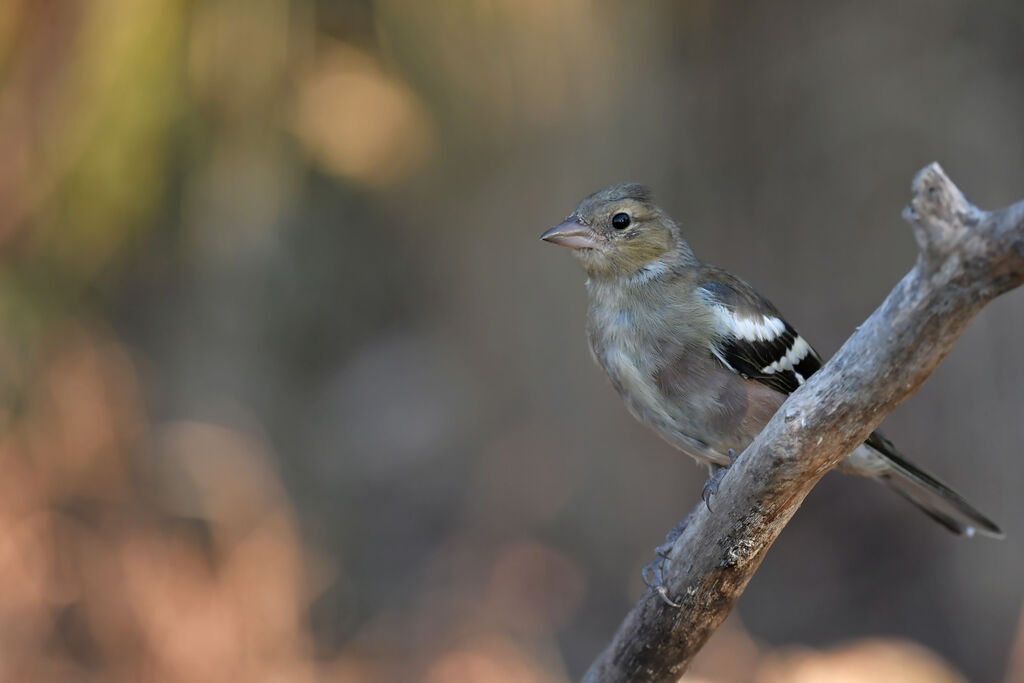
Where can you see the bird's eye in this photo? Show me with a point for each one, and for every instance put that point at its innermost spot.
(620, 221)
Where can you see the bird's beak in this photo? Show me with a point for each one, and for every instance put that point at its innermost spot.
(573, 234)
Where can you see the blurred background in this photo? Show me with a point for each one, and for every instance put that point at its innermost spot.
(292, 391)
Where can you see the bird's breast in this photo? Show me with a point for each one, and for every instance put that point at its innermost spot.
(621, 345)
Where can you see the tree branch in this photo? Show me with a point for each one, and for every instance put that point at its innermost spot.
(967, 258)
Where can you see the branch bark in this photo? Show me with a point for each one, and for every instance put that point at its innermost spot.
(967, 258)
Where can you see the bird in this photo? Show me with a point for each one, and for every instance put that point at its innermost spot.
(701, 357)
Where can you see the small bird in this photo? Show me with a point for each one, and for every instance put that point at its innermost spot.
(702, 358)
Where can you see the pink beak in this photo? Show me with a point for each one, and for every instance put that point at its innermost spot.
(574, 235)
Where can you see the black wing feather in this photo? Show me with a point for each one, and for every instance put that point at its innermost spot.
(749, 358)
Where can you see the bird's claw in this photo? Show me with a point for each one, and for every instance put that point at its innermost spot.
(718, 473)
(663, 592)
(711, 486)
(653, 574)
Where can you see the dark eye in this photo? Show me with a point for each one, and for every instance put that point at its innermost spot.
(620, 221)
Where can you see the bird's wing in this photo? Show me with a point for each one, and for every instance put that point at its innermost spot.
(753, 340)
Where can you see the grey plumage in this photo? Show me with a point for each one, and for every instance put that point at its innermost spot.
(698, 355)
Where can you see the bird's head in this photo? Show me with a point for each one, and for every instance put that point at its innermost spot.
(620, 232)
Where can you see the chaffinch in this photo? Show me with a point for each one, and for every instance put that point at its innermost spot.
(702, 358)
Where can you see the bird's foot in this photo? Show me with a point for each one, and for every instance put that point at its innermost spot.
(653, 574)
(717, 473)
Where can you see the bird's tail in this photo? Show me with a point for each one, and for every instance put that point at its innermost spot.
(935, 499)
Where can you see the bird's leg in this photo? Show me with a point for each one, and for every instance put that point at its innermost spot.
(653, 574)
(715, 475)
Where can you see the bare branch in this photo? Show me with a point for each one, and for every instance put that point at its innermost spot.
(967, 257)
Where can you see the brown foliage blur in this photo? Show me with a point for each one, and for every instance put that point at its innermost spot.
(116, 571)
(175, 556)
